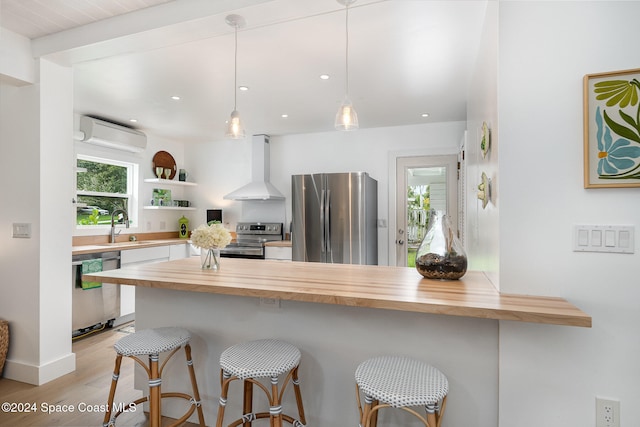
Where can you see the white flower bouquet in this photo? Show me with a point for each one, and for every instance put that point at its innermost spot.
(213, 236)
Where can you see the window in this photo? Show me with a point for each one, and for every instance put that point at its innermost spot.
(103, 186)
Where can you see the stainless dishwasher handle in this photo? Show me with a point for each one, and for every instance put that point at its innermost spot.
(75, 263)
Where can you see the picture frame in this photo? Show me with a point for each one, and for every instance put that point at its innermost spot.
(612, 129)
(161, 197)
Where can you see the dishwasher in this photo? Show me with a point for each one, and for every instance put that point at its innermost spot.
(97, 307)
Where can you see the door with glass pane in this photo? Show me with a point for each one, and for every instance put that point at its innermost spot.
(423, 183)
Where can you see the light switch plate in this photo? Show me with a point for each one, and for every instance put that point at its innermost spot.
(604, 238)
(21, 230)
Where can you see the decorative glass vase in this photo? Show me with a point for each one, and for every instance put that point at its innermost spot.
(210, 258)
(440, 255)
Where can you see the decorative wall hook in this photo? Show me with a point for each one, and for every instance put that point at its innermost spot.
(485, 142)
(484, 190)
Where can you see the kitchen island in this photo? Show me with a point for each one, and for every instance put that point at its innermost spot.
(338, 315)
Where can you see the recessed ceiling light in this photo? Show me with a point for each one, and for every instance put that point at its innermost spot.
(175, 98)
(424, 115)
(284, 116)
(324, 76)
(133, 120)
(243, 88)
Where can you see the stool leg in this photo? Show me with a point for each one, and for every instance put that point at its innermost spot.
(374, 416)
(225, 379)
(247, 404)
(432, 420)
(275, 410)
(112, 391)
(194, 384)
(368, 401)
(296, 388)
(441, 411)
(154, 392)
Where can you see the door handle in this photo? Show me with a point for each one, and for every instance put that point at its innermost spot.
(400, 242)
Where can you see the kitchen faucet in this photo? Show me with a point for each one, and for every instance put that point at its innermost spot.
(113, 224)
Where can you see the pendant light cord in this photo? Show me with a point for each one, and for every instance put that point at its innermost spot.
(235, 71)
(346, 56)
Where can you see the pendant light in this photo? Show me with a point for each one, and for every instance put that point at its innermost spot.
(234, 127)
(346, 118)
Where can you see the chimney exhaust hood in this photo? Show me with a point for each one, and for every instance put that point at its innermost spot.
(259, 188)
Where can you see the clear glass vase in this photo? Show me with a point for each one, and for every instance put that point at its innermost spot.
(441, 255)
(210, 258)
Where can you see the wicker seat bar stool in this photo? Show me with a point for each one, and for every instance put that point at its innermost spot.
(400, 382)
(152, 342)
(250, 361)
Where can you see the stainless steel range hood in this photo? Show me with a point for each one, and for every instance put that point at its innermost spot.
(259, 188)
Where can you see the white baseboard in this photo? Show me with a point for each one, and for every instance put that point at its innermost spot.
(124, 319)
(38, 375)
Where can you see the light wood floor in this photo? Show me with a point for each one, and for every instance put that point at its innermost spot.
(87, 386)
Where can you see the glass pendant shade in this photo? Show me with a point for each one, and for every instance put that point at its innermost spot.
(346, 118)
(234, 128)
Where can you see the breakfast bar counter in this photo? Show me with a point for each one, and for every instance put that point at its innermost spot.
(384, 287)
(338, 315)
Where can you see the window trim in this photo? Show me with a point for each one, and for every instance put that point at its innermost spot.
(130, 195)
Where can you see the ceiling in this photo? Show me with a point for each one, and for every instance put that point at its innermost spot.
(129, 57)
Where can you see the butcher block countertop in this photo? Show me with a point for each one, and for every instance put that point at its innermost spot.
(279, 244)
(383, 287)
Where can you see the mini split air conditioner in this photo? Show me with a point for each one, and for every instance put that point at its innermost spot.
(111, 135)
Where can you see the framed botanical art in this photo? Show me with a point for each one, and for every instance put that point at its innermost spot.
(612, 129)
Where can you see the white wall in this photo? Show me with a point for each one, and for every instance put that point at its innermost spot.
(550, 375)
(218, 171)
(19, 263)
(56, 208)
(482, 224)
(36, 292)
(17, 66)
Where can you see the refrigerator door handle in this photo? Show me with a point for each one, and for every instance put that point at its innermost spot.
(323, 243)
(327, 223)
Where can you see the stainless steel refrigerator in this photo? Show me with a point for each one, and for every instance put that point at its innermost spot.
(334, 218)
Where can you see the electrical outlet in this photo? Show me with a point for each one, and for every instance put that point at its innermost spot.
(271, 303)
(607, 412)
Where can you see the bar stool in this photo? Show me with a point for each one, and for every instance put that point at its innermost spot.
(151, 342)
(400, 382)
(252, 360)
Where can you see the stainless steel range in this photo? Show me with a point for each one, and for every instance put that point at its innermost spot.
(250, 240)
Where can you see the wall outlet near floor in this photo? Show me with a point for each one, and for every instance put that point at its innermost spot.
(607, 412)
(271, 303)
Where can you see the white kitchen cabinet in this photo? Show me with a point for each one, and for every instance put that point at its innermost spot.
(180, 251)
(136, 257)
(282, 253)
(144, 255)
